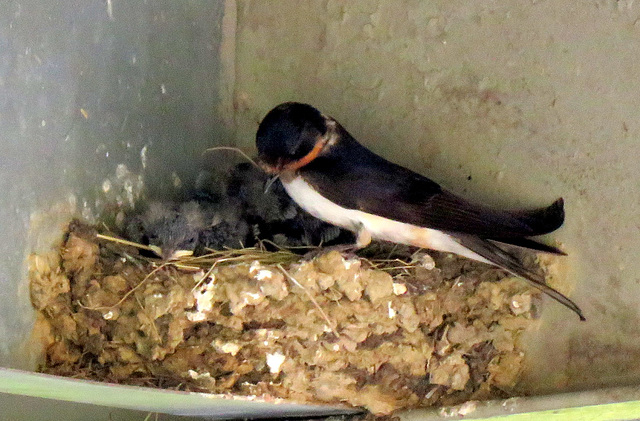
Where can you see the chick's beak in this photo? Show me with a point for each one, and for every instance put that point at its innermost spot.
(270, 182)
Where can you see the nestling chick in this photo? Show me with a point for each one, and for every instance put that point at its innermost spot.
(240, 214)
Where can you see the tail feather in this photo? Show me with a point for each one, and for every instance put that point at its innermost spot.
(543, 220)
(529, 244)
(510, 263)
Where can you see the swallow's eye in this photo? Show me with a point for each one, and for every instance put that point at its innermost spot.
(304, 142)
(293, 146)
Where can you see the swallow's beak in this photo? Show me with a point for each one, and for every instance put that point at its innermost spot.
(273, 170)
(269, 168)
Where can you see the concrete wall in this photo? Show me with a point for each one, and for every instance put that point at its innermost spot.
(509, 102)
(97, 99)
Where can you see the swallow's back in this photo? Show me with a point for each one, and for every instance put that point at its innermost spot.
(356, 178)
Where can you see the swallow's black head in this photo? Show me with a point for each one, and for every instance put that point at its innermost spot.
(288, 133)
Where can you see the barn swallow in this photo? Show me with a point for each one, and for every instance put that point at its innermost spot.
(336, 179)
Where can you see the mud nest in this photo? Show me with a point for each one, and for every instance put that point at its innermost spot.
(395, 330)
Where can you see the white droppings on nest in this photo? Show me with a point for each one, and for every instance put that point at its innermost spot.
(348, 263)
(226, 347)
(392, 312)
(195, 316)
(197, 376)
(204, 301)
(108, 315)
(274, 361)
(399, 289)
(252, 298)
(264, 274)
(254, 267)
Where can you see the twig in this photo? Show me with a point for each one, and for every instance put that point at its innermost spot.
(152, 322)
(230, 148)
(154, 249)
(204, 277)
(324, 315)
(131, 291)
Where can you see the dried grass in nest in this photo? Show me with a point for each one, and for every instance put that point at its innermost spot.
(394, 330)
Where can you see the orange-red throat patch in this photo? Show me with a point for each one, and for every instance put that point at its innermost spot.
(313, 154)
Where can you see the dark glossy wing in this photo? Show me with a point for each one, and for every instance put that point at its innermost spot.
(355, 178)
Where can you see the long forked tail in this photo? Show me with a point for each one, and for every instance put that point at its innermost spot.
(510, 263)
(543, 220)
(529, 244)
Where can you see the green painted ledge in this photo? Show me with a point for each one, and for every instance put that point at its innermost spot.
(596, 405)
(621, 403)
(605, 412)
(26, 383)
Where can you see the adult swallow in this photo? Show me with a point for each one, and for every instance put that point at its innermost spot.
(336, 179)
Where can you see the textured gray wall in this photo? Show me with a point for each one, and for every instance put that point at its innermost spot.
(533, 100)
(85, 88)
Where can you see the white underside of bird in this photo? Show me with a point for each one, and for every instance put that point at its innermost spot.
(367, 224)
